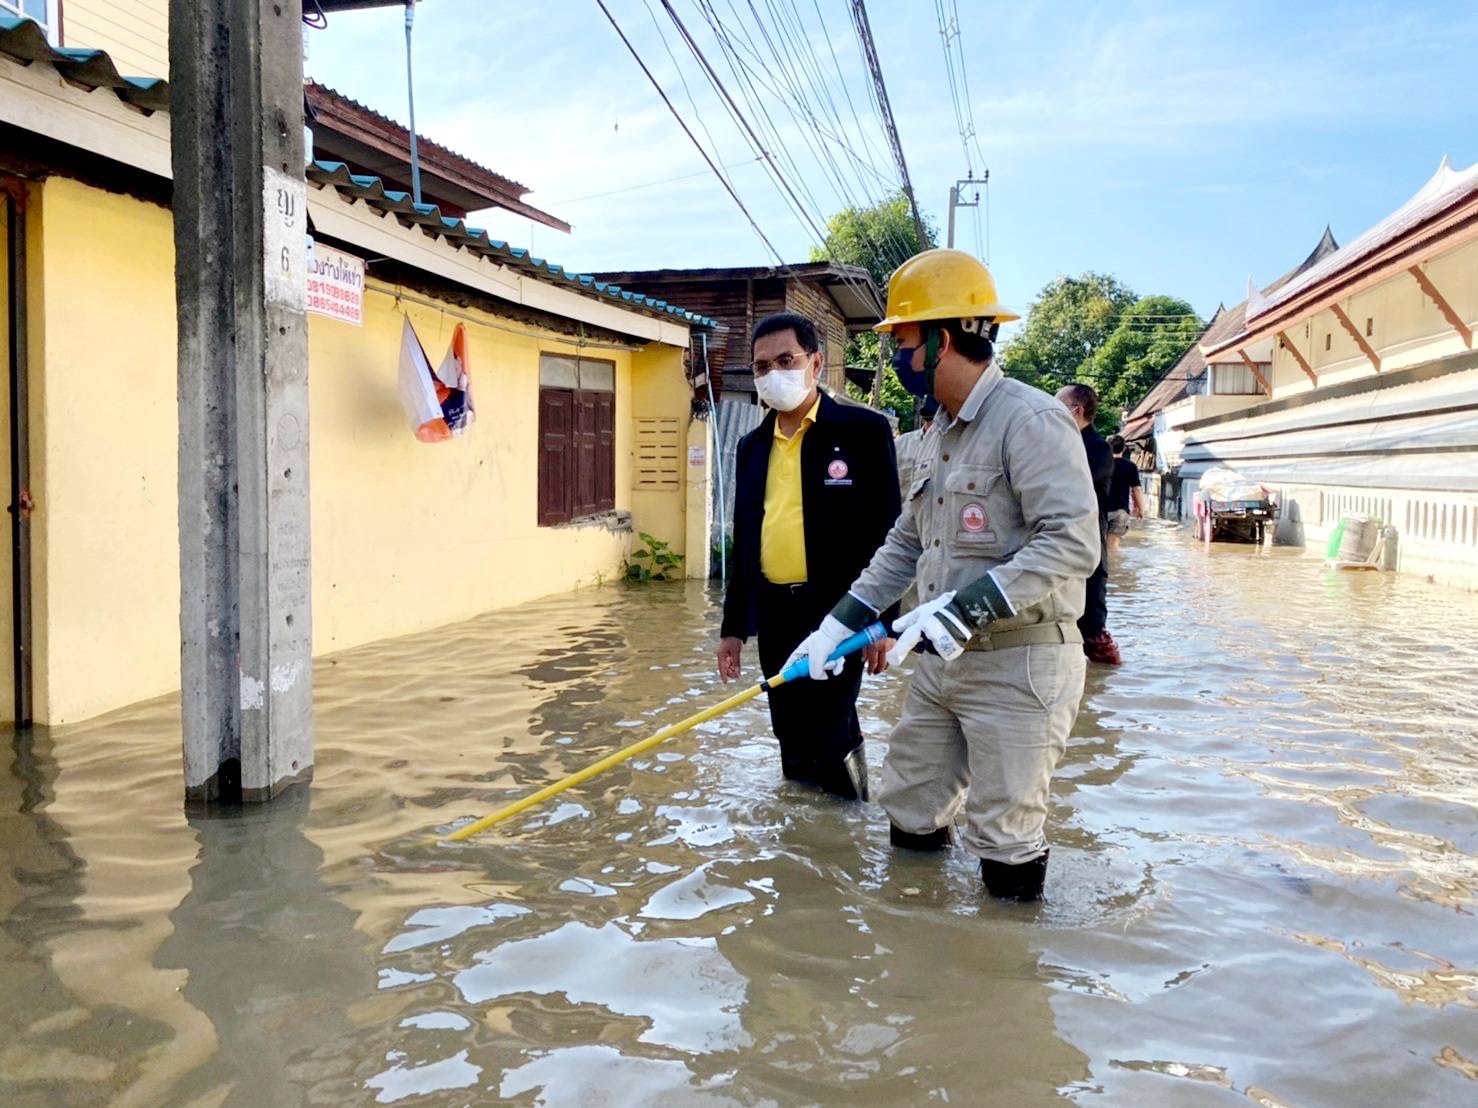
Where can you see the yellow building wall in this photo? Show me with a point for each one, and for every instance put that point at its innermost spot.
(103, 452)
(661, 391)
(405, 535)
(7, 625)
(134, 32)
(1406, 327)
(408, 535)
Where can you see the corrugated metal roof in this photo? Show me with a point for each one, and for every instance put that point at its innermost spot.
(23, 40)
(373, 192)
(1175, 385)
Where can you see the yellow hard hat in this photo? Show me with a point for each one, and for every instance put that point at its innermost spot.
(943, 284)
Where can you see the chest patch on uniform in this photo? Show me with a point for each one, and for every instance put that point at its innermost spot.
(837, 469)
(973, 518)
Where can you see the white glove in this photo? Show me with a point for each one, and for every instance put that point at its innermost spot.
(819, 644)
(941, 621)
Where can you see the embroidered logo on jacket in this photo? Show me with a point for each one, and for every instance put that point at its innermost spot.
(973, 518)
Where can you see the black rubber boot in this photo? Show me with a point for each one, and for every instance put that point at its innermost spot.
(941, 838)
(855, 765)
(845, 779)
(1022, 881)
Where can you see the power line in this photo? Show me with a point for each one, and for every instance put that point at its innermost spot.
(958, 75)
(965, 85)
(748, 77)
(759, 146)
(743, 122)
(842, 80)
(692, 137)
(864, 33)
(790, 99)
(689, 92)
(647, 184)
(742, 78)
(895, 252)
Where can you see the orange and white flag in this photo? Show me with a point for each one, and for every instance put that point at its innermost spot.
(439, 403)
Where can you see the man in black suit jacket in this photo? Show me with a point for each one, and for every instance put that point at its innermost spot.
(1081, 401)
(815, 496)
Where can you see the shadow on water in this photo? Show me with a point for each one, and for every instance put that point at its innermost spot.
(54, 1050)
(1264, 873)
(279, 1008)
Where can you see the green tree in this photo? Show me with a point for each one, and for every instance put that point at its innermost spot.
(878, 238)
(894, 396)
(1151, 335)
(1069, 320)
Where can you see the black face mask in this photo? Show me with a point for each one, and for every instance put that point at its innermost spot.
(919, 382)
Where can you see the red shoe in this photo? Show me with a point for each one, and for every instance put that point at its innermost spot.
(1102, 649)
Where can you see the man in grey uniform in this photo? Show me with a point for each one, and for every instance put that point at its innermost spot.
(911, 447)
(1001, 531)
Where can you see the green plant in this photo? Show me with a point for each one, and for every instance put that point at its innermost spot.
(723, 553)
(656, 562)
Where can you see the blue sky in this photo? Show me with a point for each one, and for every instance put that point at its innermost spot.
(1179, 146)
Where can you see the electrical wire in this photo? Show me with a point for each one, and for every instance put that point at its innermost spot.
(782, 182)
(816, 217)
(747, 128)
(965, 84)
(749, 78)
(689, 92)
(649, 184)
(692, 137)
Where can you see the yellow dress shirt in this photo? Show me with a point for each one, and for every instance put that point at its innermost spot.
(783, 534)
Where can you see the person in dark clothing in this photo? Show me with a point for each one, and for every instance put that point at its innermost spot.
(1126, 498)
(815, 495)
(1098, 644)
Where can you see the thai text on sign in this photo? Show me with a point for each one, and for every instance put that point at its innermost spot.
(336, 285)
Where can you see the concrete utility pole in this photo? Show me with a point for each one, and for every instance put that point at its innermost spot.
(236, 125)
(956, 202)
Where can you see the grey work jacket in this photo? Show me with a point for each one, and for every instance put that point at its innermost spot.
(1006, 492)
(911, 447)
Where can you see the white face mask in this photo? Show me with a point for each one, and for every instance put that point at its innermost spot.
(785, 390)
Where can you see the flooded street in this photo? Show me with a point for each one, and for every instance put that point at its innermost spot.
(1263, 882)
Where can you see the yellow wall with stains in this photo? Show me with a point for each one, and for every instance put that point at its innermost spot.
(406, 536)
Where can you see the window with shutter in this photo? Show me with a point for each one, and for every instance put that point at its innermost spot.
(585, 445)
(577, 437)
(605, 452)
(556, 439)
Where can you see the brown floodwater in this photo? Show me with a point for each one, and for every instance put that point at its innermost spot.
(1263, 881)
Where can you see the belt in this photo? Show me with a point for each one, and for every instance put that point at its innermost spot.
(793, 588)
(1037, 634)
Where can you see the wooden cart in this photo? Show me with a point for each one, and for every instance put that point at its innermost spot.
(1234, 520)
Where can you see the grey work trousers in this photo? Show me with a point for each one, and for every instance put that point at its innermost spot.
(987, 730)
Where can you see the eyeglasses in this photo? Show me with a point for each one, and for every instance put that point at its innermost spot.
(782, 363)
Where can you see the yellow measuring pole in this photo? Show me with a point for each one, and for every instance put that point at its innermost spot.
(510, 810)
